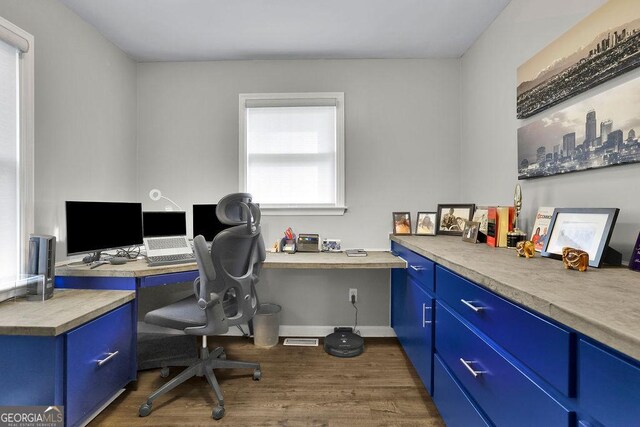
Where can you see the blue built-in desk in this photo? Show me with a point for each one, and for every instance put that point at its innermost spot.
(507, 341)
(138, 274)
(76, 349)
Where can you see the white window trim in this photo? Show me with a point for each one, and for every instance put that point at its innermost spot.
(26, 131)
(340, 206)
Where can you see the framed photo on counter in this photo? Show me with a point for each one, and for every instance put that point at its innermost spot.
(401, 223)
(452, 218)
(588, 229)
(426, 224)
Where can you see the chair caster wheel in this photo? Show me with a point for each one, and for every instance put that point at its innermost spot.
(145, 409)
(223, 356)
(164, 372)
(257, 374)
(218, 412)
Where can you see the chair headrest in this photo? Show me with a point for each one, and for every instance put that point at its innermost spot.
(236, 209)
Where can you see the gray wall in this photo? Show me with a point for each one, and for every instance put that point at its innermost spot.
(85, 113)
(489, 124)
(402, 154)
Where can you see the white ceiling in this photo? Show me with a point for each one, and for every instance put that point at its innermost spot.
(197, 30)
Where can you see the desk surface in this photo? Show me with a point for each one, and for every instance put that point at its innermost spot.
(601, 303)
(67, 309)
(323, 260)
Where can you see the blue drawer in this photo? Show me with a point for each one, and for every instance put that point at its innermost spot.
(89, 382)
(453, 404)
(506, 395)
(419, 267)
(608, 386)
(539, 344)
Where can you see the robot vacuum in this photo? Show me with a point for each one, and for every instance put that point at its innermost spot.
(343, 343)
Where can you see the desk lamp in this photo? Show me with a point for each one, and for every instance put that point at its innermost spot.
(156, 195)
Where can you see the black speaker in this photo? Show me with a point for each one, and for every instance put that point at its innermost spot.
(42, 260)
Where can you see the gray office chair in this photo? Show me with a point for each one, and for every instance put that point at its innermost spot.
(224, 295)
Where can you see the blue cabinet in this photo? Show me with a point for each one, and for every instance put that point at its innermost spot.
(98, 362)
(608, 386)
(538, 343)
(505, 393)
(66, 370)
(454, 405)
(489, 361)
(412, 319)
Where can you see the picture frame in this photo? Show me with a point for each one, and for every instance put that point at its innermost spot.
(451, 218)
(588, 229)
(470, 231)
(426, 224)
(401, 223)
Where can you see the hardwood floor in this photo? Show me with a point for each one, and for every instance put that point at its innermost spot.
(300, 386)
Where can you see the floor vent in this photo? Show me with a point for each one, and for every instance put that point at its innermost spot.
(304, 342)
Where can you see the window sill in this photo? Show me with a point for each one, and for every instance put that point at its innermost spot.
(302, 210)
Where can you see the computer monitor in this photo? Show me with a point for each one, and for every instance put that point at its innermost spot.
(164, 223)
(206, 222)
(99, 226)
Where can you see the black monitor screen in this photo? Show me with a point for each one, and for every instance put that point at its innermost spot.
(206, 222)
(99, 226)
(167, 223)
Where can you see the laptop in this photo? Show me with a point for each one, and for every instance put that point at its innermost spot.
(165, 238)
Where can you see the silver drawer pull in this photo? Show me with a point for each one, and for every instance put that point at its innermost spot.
(467, 364)
(109, 357)
(424, 315)
(417, 267)
(471, 306)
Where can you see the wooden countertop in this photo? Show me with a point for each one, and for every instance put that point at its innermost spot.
(67, 309)
(329, 260)
(602, 303)
(299, 260)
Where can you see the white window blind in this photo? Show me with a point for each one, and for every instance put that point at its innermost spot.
(16, 148)
(292, 152)
(9, 161)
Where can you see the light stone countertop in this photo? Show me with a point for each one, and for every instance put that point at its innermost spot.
(299, 260)
(602, 303)
(67, 309)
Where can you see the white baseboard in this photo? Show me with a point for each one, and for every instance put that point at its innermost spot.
(321, 331)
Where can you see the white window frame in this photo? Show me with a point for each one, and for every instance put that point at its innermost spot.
(15, 36)
(292, 209)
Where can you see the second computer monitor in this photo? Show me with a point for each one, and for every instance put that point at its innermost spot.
(164, 223)
(206, 222)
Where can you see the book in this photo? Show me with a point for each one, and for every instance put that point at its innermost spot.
(540, 230)
(506, 219)
(492, 224)
(356, 252)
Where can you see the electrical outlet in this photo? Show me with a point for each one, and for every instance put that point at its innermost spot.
(353, 292)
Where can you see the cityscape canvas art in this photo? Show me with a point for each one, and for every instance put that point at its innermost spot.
(595, 133)
(603, 45)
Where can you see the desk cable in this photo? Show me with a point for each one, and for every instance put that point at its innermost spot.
(355, 326)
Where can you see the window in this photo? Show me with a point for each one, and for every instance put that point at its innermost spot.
(16, 147)
(292, 152)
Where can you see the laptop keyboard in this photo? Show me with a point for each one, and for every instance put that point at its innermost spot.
(171, 259)
(167, 243)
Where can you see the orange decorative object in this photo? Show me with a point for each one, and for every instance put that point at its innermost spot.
(525, 249)
(575, 259)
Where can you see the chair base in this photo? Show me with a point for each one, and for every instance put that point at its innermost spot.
(202, 367)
